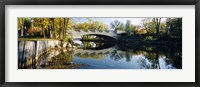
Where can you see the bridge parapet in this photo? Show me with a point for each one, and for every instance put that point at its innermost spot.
(80, 32)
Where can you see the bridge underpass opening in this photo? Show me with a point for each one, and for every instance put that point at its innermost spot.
(97, 37)
(96, 45)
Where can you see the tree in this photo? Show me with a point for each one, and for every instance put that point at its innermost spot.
(52, 33)
(97, 25)
(60, 29)
(152, 25)
(42, 26)
(64, 30)
(128, 27)
(91, 24)
(21, 25)
(133, 28)
(121, 27)
(115, 25)
(149, 25)
(175, 26)
(157, 24)
(46, 27)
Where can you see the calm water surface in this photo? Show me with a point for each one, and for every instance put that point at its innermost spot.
(96, 55)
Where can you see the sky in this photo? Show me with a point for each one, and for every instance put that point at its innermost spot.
(135, 21)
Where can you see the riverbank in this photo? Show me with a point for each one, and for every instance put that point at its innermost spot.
(30, 49)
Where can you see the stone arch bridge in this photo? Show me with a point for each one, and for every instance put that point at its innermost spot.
(77, 33)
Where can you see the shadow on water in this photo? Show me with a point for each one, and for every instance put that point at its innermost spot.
(108, 55)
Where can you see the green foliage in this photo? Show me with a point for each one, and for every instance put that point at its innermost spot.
(27, 23)
(20, 23)
(149, 38)
(121, 27)
(91, 24)
(68, 39)
(175, 26)
(44, 27)
(149, 25)
(57, 28)
(128, 27)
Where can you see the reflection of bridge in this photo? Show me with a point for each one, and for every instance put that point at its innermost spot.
(103, 33)
(112, 51)
(89, 52)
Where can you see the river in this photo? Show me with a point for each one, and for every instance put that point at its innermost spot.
(108, 55)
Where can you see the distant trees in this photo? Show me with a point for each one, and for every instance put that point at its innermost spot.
(152, 25)
(157, 24)
(171, 28)
(57, 27)
(95, 25)
(117, 25)
(128, 27)
(175, 27)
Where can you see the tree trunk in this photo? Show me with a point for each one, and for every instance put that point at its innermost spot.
(43, 30)
(49, 34)
(66, 26)
(53, 28)
(64, 29)
(157, 23)
(60, 28)
(22, 28)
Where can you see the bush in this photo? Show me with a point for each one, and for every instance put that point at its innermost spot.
(35, 31)
(149, 38)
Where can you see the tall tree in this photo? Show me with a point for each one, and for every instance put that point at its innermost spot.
(175, 26)
(115, 25)
(128, 27)
(64, 28)
(51, 32)
(46, 26)
(60, 30)
(22, 26)
(42, 26)
(157, 24)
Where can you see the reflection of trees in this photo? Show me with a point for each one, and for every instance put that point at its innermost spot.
(128, 56)
(116, 56)
(153, 58)
(62, 59)
(171, 54)
(123, 54)
(174, 57)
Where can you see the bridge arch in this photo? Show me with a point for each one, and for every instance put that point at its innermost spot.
(108, 34)
(105, 37)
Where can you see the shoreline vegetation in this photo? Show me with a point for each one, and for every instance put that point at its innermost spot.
(150, 30)
(37, 36)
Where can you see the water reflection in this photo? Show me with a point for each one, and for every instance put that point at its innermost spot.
(96, 55)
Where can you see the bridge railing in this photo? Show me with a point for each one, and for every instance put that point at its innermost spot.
(85, 30)
(110, 32)
(93, 30)
(78, 30)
